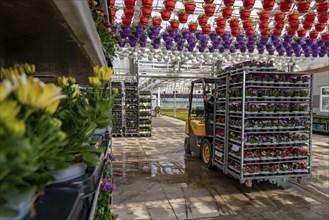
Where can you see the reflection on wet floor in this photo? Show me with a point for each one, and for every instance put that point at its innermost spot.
(157, 181)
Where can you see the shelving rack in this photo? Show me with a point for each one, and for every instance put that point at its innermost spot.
(117, 121)
(145, 117)
(265, 133)
(131, 109)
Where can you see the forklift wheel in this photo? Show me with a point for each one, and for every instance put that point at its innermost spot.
(206, 153)
(187, 145)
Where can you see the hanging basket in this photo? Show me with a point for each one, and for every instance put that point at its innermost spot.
(170, 4)
(309, 18)
(264, 15)
(182, 18)
(193, 28)
(147, 3)
(245, 14)
(303, 7)
(285, 5)
(323, 7)
(229, 2)
(146, 11)
(202, 20)
(314, 35)
(156, 22)
(189, 7)
(130, 3)
(250, 32)
(248, 3)
(247, 24)
(209, 10)
(144, 20)
(235, 32)
(227, 12)
(174, 25)
(279, 16)
(129, 12)
(268, 4)
(126, 21)
(301, 33)
(319, 27)
(206, 29)
(165, 14)
(221, 22)
(220, 31)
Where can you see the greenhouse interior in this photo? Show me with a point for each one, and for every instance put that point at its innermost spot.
(171, 109)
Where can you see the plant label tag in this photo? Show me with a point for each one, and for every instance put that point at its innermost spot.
(219, 154)
(235, 148)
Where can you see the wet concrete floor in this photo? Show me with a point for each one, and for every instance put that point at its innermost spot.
(157, 181)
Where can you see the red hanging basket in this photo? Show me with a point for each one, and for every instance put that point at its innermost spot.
(279, 16)
(170, 4)
(301, 33)
(235, 32)
(220, 31)
(192, 28)
(206, 29)
(294, 25)
(129, 3)
(268, 4)
(264, 15)
(319, 27)
(144, 20)
(113, 12)
(189, 8)
(227, 12)
(208, 1)
(248, 3)
(309, 18)
(245, 14)
(291, 32)
(277, 32)
(247, 24)
(307, 25)
(174, 25)
(263, 25)
(147, 3)
(126, 21)
(209, 10)
(234, 23)
(202, 20)
(303, 7)
(156, 22)
(325, 37)
(323, 18)
(112, 2)
(250, 32)
(314, 35)
(285, 5)
(129, 12)
(146, 12)
(323, 7)
(229, 2)
(293, 17)
(165, 15)
(279, 25)
(265, 32)
(182, 18)
(221, 22)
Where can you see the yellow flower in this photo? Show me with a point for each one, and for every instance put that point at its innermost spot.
(7, 73)
(104, 73)
(8, 112)
(94, 81)
(66, 81)
(5, 89)
(76, 92)
(115, 91)
(32, 92)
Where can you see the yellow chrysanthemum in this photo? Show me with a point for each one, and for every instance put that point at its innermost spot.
(76, 92)
(104, 73)
(66, 81)
(5, 89)
(94, 81)
(8, 73)
(32, 92)
(8, 112)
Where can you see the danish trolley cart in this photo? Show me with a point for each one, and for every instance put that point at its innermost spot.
(117, 122)
(145, 117)
(263, 124)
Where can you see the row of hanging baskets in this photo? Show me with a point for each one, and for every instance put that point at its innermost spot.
(298, 20)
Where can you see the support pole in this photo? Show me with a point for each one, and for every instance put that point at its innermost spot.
(175, 98)
(159, 92)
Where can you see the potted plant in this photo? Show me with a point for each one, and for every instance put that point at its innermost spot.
(203, 19)
(250, 32)
(285, 5)
(174, 24)
(146, 11)
(147, 3)
(248, 3)
(126, 21)
(220, 31)
(209, 9)
(182, 16)
(206, 28)
(244, 13)
(227, 12)
(170, 4)
(313, 34)
(322, 7)
(264, 15)
(307, 25)
(128, 12)
(143, 20)
(309, 17)
(130, 3)
(279, 16)
(193, 26)
(113, 11)
(234, 22)
(189, 6)
(229, 2)
(325, 36)
(156, 21)
(165, 14)
(303, 6)
(31, 133)
(293, 16)
(323, 17)
(268, 4)
(235, 32)
(319, 27)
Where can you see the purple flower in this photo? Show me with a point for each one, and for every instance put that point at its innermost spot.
(108, 186)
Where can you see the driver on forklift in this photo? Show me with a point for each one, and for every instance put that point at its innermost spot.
(209, 107)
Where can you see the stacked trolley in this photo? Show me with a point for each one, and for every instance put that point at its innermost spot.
(117, 122)
(131, 109)
(145, 105)
(263, 128)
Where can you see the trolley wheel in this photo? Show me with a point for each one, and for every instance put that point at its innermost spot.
(299, 179)
(206, 153)
(187, 145)
(248, 183)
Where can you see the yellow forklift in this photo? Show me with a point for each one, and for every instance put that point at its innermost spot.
(199, 124)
